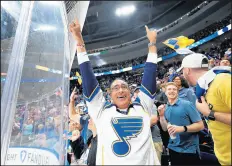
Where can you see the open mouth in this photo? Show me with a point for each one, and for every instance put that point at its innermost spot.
(121, 97)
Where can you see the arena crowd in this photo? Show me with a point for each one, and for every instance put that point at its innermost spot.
(168, 114)
(188, 111)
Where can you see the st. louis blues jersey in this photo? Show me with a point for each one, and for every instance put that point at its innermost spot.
(123, 139)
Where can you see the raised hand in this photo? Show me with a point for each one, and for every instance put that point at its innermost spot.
(73, 95)
(151, 35)
(75, 29)
(161, 110)
(75, 135)
(203, 107)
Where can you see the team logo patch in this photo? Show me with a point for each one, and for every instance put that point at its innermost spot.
(125, 129)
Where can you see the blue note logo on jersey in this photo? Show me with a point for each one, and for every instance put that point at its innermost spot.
(125, 129)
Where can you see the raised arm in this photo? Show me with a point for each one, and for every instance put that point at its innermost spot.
(72, 112)
(148, 86)
(162, 119)
(91, 89)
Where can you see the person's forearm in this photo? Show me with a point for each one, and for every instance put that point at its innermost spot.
(152, 49)
(79, 48)
(223, 117)
(163, 123)
(72, 108)
(89, 81)
(195, 127)
(153, 120)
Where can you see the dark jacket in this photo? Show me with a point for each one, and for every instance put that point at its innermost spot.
(161, 97)
(79, 148)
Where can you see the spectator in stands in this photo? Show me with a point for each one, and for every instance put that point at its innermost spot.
(41, 129)
(80, 143)
(50, 128)
(85, 153)
(214, 52)
(211, 63)
(163, 87)
(160, 95)
(73, 115)
(172, 74)
(135, 93)
(28, 128)
(80, 116)
(213, 91)
(225, 62)
(15, 128)
(40, 140)
(166, 50)
(121, 110)
(185, 92)
(184, 123)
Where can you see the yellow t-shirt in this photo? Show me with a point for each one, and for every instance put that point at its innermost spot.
(219, 95)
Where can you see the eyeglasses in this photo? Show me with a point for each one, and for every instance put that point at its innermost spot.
(117, 87)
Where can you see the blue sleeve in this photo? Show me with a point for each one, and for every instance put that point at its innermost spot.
(193, 113)
(191, 96)
(148, 85)
(89, 82)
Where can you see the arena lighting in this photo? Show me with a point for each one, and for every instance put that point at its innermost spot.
(45, 28)
(123, 11)
(12, 8)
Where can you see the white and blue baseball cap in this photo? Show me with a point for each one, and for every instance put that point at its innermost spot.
(194, 60)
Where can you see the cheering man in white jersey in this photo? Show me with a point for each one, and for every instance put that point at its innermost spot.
(123, 127)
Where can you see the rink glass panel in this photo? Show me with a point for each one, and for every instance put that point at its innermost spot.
(39, 104)
(10, 11)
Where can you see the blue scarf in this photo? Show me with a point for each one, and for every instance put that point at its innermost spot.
(204, 81)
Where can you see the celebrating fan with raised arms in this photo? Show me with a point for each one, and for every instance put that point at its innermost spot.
(123, 126)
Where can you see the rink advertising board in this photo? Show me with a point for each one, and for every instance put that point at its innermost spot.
(31, 156)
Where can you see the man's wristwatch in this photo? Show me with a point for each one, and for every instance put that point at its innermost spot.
(151, 44)
(211, 116)
(185, 129)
